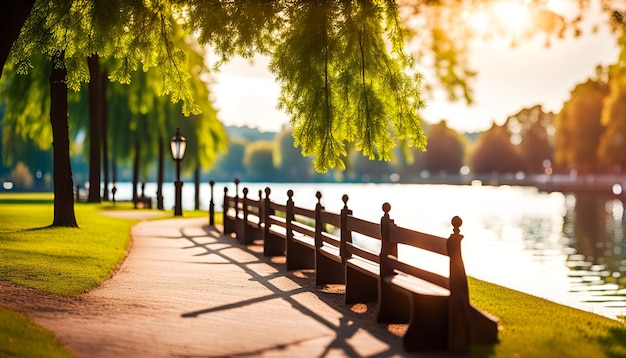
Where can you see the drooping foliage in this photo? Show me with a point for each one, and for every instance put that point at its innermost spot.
(138, 34)
(340, 84)
(27, 101)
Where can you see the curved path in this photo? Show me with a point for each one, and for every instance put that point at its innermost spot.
(185, 290)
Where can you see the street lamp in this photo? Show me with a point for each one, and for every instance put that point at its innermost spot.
(178, 146)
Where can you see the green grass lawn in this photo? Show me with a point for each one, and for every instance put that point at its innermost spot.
(69, 261)
(20, 337)
(63, 261)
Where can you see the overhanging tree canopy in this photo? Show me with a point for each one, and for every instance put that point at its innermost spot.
(344, 73)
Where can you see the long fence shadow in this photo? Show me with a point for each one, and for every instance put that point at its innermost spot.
(352, 318)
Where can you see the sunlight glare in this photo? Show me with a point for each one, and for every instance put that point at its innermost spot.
(479, 21)
(560, 7)
(505, 17)
(512, 13)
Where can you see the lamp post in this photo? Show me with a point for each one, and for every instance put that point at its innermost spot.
(178, 146)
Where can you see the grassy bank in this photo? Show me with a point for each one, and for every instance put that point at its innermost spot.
(68, 261)
(63, 261)
(20, 337)
(534, 327)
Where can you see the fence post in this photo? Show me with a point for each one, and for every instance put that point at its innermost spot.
(242, 224)
(236, 198)
(458, 314)
(289, 216)
(244, 203)
(227, 226)
(211, 205)
(318, 222)
(267, 211)
(386, 246)
(392, 305)
(261, 207)
(345, 233)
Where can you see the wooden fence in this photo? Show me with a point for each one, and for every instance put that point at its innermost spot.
(435, 306)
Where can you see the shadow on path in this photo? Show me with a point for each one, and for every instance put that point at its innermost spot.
(326, 306)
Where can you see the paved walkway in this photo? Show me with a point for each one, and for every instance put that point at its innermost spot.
(187, 291)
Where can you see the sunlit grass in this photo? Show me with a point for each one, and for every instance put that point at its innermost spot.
(63, 261)
(20, 337)
(534, 327)
(69, 261)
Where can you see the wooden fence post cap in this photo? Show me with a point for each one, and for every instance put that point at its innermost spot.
(267, 191)
(245, 191)
(318, 195)
(237, 181)
(386, 208)
(290, 193)
(345, 198)
(225, 190)
(211, 182)
(456, 222)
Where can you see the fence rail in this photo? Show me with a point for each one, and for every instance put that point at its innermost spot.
(435, 306)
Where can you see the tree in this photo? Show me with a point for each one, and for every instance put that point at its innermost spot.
(532, 130)
(21, 176)
(12, 18)
(68, 32)
(442, 31)
(494, 153)
(63, 184)
(290, 164)
(96, 111)
(344, 74)
(230, 165)
(259, 162)
(445, 151)
(340, 85)
(578, 127)
(612, 146)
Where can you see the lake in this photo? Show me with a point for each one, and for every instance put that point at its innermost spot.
(565, 248)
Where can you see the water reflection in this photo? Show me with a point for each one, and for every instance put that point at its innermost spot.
(594, 229)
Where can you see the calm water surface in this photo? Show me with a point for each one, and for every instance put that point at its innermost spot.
(567, 249)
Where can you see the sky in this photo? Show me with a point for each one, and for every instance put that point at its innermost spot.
(509, 79)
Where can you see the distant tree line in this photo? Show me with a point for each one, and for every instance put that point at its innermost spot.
(587, 136)
(522, 144)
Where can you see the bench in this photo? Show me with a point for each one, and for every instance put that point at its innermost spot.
(436, 307)
(249, 219)
(229, 212)
(143, 202)
(361, 263)
(274, 229)
(342, 261)
(284, 235)
(300, 239)
(328, 247)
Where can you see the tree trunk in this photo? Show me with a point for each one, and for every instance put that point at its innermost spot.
(95, 128)
(160, 175)
(12, 18)
(105, 138)
(196, 178)
(63, 184)
(136, 173)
